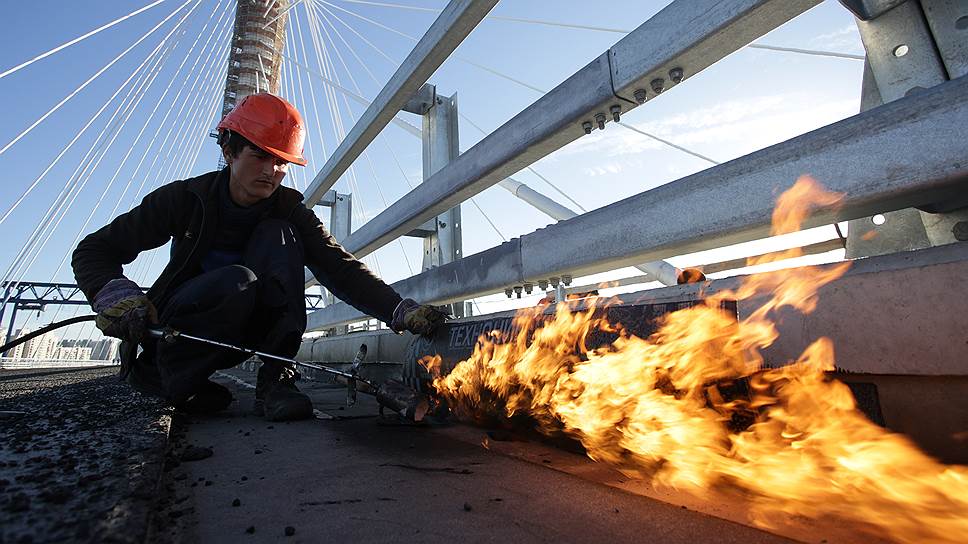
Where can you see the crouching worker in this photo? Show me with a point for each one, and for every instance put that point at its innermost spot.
(239, 245)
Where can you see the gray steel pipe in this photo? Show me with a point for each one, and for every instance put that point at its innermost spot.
(659, 270)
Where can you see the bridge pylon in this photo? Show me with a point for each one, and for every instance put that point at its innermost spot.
(255, 57)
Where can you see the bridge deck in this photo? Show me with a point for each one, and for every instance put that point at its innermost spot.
(88, 460)
(80, 456)
(346, 477)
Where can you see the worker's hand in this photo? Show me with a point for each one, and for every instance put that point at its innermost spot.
(416, 318)
(123, 310)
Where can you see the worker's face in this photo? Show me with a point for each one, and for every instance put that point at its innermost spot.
(255, 175)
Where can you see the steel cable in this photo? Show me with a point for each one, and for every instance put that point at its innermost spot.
(336, 116)
(71, 186)
(92, 78)
(470, 62)
(141, 132)
(78, 39)
(366, 155)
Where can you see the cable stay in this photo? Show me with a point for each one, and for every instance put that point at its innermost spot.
(269, 5)
(349, 48)
(529, 168)
(187, 83)
(405, 125)
(366, 155)
(815, 52)
(352, 50)
(539, 91)
(286, 91)
(78, 39)
(807, 51)
(181, 168)
(514, 185)
(121, 88)
(73, 186)
(668, 143)
(93, 77)
(349, 73)
(335, 114)
(287, 10)
(43, 230)
(210, 89)
(77, 136)
(473, 200)
(321, 47)
(493, 71)
(491, 16)
(115, 130)
(141, 132)
(312, 93)
(546, 205)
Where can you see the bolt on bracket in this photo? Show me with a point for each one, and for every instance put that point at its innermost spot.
(600, 119)
(616, 112)
(676, 75)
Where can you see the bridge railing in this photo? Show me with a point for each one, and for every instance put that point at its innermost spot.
(10, 363)
(905, 153)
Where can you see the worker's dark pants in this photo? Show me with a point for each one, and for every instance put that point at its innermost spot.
(258, 304)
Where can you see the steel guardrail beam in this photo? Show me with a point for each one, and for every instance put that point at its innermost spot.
(455, 22)
(910, 152)
(686, 36)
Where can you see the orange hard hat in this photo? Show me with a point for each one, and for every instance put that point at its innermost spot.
(271, 123)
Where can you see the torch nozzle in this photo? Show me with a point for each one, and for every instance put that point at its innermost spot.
(403, 399)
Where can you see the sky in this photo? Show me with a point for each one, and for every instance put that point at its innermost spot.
(85, 167)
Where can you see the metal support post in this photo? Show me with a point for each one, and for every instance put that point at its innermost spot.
(13, 319)
(440, 147)
(341, 216)
(340, 225)
(909, 49)
(6, 297)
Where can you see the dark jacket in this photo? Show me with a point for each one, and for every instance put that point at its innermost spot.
(186, 212)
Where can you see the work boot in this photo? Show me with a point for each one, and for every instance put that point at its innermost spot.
(144, 378)
(276, 395)
(209, 398)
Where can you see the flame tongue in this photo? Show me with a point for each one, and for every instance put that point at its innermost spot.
(651, 407)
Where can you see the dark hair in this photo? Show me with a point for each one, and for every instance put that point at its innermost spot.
(234, 141)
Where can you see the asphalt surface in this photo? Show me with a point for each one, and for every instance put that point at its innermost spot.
(80, 456)
(350, 476)
(85, 459)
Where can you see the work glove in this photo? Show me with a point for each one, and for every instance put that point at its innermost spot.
(416, 318)
(123, 310)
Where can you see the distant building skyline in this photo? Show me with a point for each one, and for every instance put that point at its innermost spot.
(49, 346)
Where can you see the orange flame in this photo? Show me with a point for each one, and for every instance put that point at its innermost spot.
(652, 408)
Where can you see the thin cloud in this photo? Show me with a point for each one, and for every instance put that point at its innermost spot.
(842, 40)
(609, 168)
